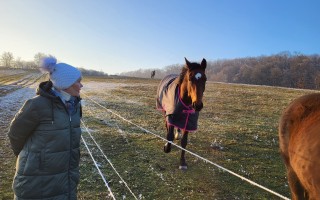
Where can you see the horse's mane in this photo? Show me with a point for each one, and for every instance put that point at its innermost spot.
(182, 74)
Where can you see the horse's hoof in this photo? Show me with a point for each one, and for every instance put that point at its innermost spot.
(166, 148)
(183, 167)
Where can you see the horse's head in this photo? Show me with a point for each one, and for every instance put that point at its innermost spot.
(194, 82)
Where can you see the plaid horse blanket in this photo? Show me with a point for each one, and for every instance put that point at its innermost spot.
(177, 113)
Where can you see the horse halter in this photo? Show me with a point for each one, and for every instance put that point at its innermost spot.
(197, 77)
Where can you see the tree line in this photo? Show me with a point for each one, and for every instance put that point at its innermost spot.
(7, 60)
(283, 69)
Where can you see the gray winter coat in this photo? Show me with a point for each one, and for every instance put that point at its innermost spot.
(46, 139)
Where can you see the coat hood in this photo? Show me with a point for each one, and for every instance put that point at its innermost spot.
(45, 90)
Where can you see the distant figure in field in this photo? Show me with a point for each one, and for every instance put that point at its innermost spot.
(153, 73)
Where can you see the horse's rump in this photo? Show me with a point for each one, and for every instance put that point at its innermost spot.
(177, 113)
(299, 139)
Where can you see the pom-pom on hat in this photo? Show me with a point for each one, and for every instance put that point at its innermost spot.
(62, 75)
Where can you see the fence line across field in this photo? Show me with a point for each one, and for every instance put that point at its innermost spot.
(97, 145)
(194, 154)
(95, 163)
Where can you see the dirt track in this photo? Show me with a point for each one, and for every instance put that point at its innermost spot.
(9, 106)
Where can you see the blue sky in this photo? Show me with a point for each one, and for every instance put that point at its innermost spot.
(125, 35)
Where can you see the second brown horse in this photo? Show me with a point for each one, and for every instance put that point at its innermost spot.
(299, 138)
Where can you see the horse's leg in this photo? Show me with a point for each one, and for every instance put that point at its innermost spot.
(297, 190)
(184, 142)
(170, 136)
(177, 133)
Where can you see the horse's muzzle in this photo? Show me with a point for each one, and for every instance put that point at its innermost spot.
(197, 106)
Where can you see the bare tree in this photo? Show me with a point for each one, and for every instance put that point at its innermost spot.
(7, 59)
(18, 63)
(38, 57)
(29, 65)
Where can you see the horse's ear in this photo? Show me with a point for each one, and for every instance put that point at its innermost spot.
(187, 62)
(203, 63)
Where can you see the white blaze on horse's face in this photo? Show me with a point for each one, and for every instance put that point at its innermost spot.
(198, 76)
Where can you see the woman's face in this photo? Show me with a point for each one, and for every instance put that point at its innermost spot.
(74, 90)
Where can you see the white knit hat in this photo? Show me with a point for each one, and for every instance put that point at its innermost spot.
(62, 75)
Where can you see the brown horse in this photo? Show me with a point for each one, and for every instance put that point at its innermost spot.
(299, 138)
(180, 98)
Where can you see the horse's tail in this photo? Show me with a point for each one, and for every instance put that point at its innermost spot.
(284, 136)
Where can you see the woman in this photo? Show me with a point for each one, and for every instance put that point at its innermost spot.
(45, 136)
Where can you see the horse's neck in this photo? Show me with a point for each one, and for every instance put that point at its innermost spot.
(184, 94)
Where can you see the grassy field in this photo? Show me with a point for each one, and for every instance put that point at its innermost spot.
(237, 130)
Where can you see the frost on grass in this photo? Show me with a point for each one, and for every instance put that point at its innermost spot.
(98, 86)
(104, 89)
(8, 72)
(12, 102)
(217, 145)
